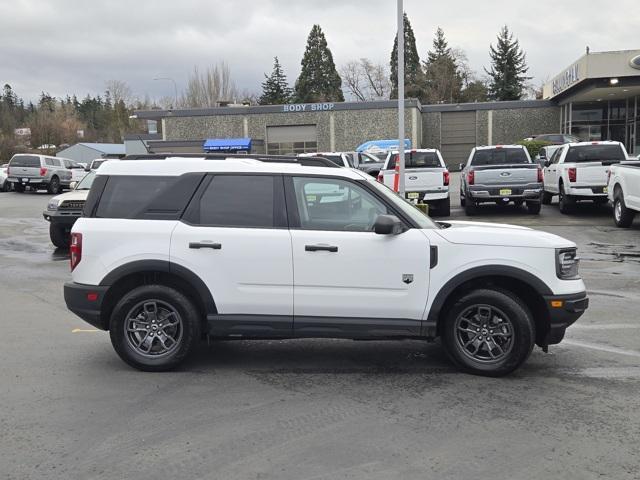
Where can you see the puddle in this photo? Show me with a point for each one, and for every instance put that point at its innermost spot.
(614, 252)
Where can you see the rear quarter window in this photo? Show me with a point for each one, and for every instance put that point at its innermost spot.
(25, 161)
(499, 156)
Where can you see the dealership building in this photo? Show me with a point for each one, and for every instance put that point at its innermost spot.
(595, 98)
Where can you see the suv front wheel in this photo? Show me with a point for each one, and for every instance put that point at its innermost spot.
(154, 327)
(488, 332)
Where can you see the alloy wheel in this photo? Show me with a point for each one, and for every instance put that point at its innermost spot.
(153, 328)
(484, 333)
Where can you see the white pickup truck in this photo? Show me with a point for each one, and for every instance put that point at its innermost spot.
(624, 192)
(426, 178)
(578, 171)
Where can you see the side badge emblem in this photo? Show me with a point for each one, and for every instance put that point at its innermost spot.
(407, 278)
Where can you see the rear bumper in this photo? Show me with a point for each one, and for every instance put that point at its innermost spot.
(76, 296)
(429, 195)
(587, 191)
(29, 180)
(530, 192)
(563, 311)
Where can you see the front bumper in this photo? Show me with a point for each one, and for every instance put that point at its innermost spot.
(61, 217)
(86, 302)
(530, 192)
(563, 311)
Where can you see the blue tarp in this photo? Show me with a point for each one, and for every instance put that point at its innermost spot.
(227, 144)
(377, 145)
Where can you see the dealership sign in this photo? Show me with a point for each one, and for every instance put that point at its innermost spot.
(635, 62)
(566, 79)
(308, 107)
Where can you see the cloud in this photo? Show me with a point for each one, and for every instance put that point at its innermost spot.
(71, 46)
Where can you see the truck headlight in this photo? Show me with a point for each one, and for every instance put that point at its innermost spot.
(567, 262)
(53, 205)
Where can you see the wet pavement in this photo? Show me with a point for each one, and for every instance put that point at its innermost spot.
(317, 409)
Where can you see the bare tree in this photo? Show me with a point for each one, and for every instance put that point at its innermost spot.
(365, 80)
(119, 90)
(209, 88)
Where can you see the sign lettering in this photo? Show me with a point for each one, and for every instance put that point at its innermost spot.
(566, 79)
(308, 107)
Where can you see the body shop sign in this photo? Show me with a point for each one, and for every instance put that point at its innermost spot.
(566, 79)
(308, 107)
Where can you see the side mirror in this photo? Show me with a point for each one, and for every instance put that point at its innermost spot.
(461, 166)
(387, 225)
(547, 163)
(73, 185)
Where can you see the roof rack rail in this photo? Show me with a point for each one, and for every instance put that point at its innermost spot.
(306, 161)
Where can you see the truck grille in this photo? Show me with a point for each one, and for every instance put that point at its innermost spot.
(71, 205)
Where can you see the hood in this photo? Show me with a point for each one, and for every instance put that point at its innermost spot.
(500, 234)
(72, 195)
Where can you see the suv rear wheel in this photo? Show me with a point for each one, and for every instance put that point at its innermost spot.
(488, 332)
(154, 327)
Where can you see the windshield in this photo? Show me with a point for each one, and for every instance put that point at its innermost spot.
(500, 156)
(422, 220)
(86, 182)
(595, 153)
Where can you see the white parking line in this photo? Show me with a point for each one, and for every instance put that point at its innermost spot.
(602, 348)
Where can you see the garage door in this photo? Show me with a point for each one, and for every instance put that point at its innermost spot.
(285, 140)
(458, 137)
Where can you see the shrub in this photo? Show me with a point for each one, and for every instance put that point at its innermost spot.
(533, 146)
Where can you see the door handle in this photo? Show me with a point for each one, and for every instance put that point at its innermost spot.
(198, 245)
(317, 248)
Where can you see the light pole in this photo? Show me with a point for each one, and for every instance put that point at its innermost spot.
(401, 99)
(175, 87)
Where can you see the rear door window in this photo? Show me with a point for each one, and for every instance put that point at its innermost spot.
(25, 161)
(243, 201)
(594, 153)
(499, 156)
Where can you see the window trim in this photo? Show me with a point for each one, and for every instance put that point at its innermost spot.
(294, 214)
(279, 213)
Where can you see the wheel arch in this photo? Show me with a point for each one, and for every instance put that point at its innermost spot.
(144, 272)
(527, 287)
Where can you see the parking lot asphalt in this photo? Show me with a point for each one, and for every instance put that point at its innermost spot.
(317, 409)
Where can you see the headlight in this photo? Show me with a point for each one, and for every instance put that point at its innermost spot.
(53, 205)
(567, 262)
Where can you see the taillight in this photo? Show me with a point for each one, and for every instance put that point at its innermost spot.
(573, 174)
(75, 249)
(43, 171)
(445, 177)
(471, 177)
(540, 179)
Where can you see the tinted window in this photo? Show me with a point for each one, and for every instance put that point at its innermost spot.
(25, 161)
(333, 204)
(594, 153)
(367, 158)
(128, 196)
(416, 160)
(337, 159)
(499, 156)
(237, 201)
(556, 138)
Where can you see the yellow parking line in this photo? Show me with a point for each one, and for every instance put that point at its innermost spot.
(82, 330)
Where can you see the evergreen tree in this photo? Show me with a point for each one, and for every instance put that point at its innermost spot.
(443, 76)
(508, 68)
(413, 76)
(275, 89)
(319, 80)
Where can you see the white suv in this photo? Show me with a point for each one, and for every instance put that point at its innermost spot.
(172, 250)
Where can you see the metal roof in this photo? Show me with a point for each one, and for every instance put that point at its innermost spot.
(106, 148)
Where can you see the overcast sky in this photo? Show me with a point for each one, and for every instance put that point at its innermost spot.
(72, 46)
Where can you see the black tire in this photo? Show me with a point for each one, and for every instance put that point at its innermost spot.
(54, 186)
(546, 198)
(566, 204)
(600, 201)
(443, 208)
(165, 298)
(534, 207)
(19, 188)
(514, 316)
(60, 235)
(622, 216)
(7, 186)
(470, 208)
